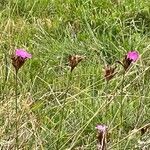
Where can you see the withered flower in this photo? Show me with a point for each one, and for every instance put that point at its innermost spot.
(145, 129)
(19, 58)
(131, 56)
(102, 137)
(109, 72)
(74, 60)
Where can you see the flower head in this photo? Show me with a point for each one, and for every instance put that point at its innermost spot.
(74, 60)
(133, 55)
(109, 72)
(145, 129)
(23, 54)
(130, 57)
(19, 58)
(102, 137)
(101, 128)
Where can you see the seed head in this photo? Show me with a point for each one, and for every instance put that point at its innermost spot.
(109, 72)
(74, 60)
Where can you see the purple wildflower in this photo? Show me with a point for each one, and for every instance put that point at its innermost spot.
(133, 55)
(23, 54)
(101, 128)
(130, 57)
(19, 58)
(102, 137)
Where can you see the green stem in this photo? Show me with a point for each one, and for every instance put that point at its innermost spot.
(16, 109)
(107, 98)
(141, 99)
(63, 108)
(121, 108)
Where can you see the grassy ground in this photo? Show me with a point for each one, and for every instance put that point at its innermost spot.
(50, 118)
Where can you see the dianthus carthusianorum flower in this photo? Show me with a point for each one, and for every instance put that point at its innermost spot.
(102, 137)
(74, 60)
(19, 58)
(130, 57)
(109, 72)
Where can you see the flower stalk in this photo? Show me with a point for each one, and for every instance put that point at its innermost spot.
(18, 59)
(109, 73)
(121, 95)
(102, 137)
(16, 108)
(129, 58)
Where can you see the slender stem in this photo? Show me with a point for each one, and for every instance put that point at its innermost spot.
(63, 108)
(121, 108)
(141, 99)
(107, 98)
(65, 94)
(16, 109)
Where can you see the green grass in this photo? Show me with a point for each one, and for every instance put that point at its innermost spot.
(103, 31)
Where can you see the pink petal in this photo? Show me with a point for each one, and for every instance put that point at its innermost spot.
(133, 55)
(22, 53)
(101, 128)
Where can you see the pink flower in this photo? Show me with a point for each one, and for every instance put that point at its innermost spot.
(129, 58)
(102, 137)
(23, 54)
(101, 128)
(133, 55)
(19, 58)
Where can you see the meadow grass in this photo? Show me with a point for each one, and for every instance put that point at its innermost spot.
(49, 118)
